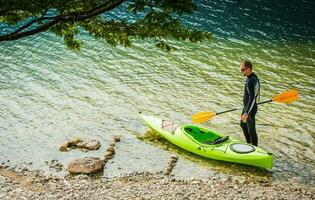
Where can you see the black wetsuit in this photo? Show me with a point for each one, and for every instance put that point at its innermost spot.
(251, 91)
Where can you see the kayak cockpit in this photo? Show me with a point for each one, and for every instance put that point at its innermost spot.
(203, 136)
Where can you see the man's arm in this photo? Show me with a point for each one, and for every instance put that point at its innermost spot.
(252, 90)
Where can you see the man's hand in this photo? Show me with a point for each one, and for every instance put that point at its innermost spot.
(244, 117)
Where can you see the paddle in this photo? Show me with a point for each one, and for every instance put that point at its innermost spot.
(285, 97)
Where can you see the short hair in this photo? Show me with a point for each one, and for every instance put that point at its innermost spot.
(247, 64)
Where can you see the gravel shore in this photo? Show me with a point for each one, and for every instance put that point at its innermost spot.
(34, 185)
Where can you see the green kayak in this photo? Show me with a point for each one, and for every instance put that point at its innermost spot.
(207, 143)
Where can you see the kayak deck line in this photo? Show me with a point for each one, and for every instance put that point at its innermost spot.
(167, 124)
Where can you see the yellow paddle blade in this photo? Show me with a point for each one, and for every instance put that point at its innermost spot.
(202, 116)
(286, 97)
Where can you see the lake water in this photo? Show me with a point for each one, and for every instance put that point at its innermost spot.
(49, 94)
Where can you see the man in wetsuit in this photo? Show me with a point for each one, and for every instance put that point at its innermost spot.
(251, 91)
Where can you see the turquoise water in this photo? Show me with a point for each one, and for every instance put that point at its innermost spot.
(49, 94)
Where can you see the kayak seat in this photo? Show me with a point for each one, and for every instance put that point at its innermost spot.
(193, 130)
(199, 134)
(218, 140)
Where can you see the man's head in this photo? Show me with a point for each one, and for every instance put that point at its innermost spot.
(246, 68)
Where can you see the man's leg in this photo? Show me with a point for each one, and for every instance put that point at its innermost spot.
(245, 131)
(251, 126)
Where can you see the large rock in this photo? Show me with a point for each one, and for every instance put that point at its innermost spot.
(85, 165)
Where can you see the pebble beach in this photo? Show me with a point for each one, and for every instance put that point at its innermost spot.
(27, 184)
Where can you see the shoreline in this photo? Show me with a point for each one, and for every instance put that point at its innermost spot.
(28, 184)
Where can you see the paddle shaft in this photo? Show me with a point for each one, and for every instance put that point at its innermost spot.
(270, 100)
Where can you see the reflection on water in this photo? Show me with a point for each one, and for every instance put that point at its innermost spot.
(49, 94)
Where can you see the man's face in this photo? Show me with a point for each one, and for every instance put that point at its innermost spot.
(244, 70)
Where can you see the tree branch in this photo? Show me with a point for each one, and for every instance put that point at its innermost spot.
(31, 23)
(75, 16)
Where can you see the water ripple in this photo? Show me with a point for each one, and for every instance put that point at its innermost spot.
(49, 94)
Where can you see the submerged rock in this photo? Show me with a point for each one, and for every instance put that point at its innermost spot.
(90, 144)
(64, 147)
(110, 151)
(87, 165)
(117, 138)
(79, 143)
(74, 141)
(109, 154)
(171, 164)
